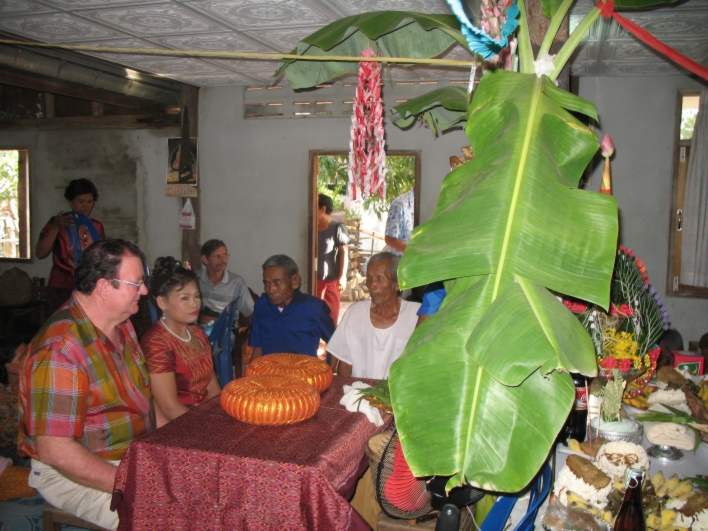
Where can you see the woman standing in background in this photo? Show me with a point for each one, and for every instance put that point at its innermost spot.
(81, 195)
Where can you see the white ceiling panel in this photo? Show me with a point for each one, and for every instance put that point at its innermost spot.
(248, 14)
(56, 27)
(217, 42)
(418, 6)
(284, 40)
(211, 80)
(17, 7)
(83, 4)
(159, 19)
(177, 65)
(122, 58)
(267, 26)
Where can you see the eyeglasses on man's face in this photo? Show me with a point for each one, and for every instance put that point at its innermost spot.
(137, 285)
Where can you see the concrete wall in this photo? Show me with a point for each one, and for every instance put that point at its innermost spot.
(255, 175)
(128, 169)
(639, 115)
(254, 178)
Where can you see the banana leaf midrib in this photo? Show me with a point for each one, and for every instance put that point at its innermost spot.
(517, 187)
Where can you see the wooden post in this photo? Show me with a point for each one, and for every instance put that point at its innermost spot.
(191, 239)
(538, 25)
(49, 105)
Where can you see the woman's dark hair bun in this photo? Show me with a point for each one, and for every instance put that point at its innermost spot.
(165, 264)
(167, 275)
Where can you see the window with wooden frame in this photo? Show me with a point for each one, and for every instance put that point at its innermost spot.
(14, 204)
(687, 109)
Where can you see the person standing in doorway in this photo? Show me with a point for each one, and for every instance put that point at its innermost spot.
(399, 225)
(332, 256)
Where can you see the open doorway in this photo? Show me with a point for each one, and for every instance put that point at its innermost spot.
(365, 220)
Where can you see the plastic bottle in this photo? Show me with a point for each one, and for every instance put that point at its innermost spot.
(576, 425)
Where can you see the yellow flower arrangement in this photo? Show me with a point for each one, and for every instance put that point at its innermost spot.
(621, 350)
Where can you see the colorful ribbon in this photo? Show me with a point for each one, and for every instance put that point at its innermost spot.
(607, 10)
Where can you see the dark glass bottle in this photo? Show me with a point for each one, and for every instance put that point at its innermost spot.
(631, 513)
(576, 425)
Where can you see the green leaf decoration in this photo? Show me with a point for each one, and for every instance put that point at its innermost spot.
(514, 208)
(390, 34)
(481, 389)
(442, 109)
(455, 418)
(549, 7)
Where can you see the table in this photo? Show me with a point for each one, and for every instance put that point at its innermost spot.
(206, 470)
(691, 464)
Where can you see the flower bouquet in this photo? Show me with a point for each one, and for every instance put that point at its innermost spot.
(625, 337)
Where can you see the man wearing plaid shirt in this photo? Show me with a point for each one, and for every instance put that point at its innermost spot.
(84, 385)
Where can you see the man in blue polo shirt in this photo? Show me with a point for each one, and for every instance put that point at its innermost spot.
(284, 318)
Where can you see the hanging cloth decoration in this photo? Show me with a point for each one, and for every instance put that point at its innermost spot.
(81, 233)
(499, 20)
(367, 157)
(607, 10)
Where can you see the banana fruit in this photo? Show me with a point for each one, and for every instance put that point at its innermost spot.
(683, 488)
(640, 400)
(668, 486)
(653, 522)
(668, 516)
(574, 445)
(703, 393)
(578, 502)
(658, 481)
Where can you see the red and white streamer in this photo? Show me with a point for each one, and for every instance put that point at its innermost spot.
(367, 157)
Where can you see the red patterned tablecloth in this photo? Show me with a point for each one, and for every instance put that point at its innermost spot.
(205, 470)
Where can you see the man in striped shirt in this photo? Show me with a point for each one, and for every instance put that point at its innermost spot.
(84, 385)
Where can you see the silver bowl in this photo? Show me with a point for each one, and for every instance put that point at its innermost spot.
(668, 453)
(635, 436)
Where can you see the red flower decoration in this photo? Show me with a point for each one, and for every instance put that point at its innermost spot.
(608, 363)
(654, 354)
(575, 306)
(367, 157)
(625, 364)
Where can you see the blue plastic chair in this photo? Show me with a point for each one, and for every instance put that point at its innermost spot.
(221, 343)
(499, 514)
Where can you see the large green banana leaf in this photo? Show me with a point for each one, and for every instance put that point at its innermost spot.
(478, 393)
(390, 34)
(442, 109)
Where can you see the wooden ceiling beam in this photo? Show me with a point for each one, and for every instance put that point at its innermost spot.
(57, 87)
(124, 121)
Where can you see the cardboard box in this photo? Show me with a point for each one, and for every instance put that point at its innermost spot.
(688, 360)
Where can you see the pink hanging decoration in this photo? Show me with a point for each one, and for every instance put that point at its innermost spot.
(367, 157)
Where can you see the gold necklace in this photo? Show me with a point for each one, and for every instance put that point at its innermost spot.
(189, 336)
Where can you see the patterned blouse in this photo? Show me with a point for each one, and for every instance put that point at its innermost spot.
(62, 273)
(193, 368)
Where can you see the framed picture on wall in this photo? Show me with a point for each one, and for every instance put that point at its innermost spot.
(174, 155)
